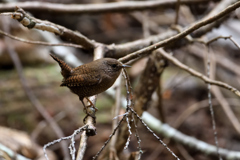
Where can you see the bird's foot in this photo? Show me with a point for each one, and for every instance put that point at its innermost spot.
(88, 114)
(91, 104)
(89, 110)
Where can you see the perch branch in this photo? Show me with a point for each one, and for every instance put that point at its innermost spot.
(82, 146)
(90, 120)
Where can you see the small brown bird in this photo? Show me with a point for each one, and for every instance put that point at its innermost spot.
(91, 78)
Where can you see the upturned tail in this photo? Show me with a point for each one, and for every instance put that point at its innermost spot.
(65, 68)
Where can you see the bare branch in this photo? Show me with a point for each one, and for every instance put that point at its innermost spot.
(197, 74)
(39, 42)
(221, 6)
(227, 109)
(82, 146)
(147, 50)
(146, 126)
(221, 60)
(197, 106)
(169, 132)
(123, 49)
(126, 48)
(116, 111)
(219, 96)
(130, 108)
(125, 6)
(234, 42)
(138, 138)
(65, 138)
(114, 131)
(129, 131)
(90, 120)
(210, 65)
(31, 22)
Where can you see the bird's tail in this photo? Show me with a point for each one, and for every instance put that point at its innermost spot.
(65, 68)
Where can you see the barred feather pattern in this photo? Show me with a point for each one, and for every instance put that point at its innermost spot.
(65, 68)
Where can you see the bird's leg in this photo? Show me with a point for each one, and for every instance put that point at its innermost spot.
(91, 104)
(88, 114)
(85, 108)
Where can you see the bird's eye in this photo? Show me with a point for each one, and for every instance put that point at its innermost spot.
(114, 65)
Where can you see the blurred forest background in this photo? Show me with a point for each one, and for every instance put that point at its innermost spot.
(177, 98)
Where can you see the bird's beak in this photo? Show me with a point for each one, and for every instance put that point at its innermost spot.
(125, 66)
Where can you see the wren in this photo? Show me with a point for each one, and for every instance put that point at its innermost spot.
(91, 78)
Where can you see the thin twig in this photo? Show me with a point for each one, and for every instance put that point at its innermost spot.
(64, 138)
(129, 131)
(234, 42)
(220, 37)
(216, 38)
(124, 49)
(146, 51)
(121, 50)
(129, 107)
(210, 103)
(39, 42)
(224, 104)
(197, 106)
(223, 61)
(227, 109)
(105, 143)
(145, 125)
(138, 138)
(115, 111)
(197, 74)
(219, 7)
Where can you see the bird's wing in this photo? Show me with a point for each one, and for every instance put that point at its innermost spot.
(82, 80)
